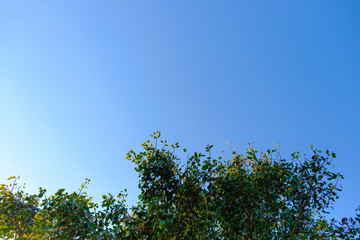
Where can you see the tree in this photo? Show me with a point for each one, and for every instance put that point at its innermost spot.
(256, 195)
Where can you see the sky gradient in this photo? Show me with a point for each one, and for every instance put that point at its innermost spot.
(83, 82)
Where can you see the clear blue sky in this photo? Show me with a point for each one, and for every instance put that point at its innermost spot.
(82, 82)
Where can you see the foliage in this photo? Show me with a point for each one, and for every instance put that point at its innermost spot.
(256, 195)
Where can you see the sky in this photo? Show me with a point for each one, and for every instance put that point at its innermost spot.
(82, 82)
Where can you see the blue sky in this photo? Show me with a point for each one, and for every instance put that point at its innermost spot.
(82, 82)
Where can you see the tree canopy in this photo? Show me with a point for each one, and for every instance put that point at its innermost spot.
(255, 195)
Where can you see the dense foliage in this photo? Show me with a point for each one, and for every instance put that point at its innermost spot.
(256, 195)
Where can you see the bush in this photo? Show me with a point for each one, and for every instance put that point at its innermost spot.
(256, 195)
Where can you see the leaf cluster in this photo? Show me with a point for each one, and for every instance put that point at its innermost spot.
(256, 195)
